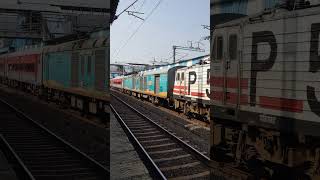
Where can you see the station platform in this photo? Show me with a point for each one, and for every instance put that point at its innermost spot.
(6, 172)
(125, 162)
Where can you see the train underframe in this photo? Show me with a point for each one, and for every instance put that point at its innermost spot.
(192, 109)
(86, 105)
(153, 99)
(267, 153)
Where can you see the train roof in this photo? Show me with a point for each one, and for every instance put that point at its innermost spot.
(203, 63)
(164, 69)
(78, 44)
(68, 46)
(55, 5)
(32, 49)
(159, 70)
(188, 62)
(271, 15)
(118, 77)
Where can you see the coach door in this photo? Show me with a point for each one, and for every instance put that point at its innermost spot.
(183, 88)
(141, 83)
(231, 80)
(157, 84)
(224, 68)
(145, 83)
(133, 79)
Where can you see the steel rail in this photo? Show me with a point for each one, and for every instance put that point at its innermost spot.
(222, 167)
(76, 151)
(12, 157)
(151, 165)
(190, 149)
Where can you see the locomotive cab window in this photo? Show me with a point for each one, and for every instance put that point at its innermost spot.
(182, 76)
(233, 46)
(218, 51)
(178, 76)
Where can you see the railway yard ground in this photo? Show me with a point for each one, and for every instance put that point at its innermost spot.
(89, 135)
(124, 160)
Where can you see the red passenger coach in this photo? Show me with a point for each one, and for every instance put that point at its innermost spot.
(24, 68)
(117, 83)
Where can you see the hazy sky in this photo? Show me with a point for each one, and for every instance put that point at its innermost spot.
(173, 22)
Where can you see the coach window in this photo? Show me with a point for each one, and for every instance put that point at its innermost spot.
(178, 76)
(182, 76)
(233, 46)
(219, 46)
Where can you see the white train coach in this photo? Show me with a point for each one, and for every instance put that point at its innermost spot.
(191, 89)
(265, 93)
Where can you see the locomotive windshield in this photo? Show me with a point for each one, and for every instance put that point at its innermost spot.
(233, 43)
(218, 48)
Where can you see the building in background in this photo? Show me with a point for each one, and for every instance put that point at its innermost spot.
(26, 22)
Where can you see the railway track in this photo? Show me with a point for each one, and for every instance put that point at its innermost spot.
(165, 154)
(171, 157)
(168, 110)
(43, 154)
(195, 136)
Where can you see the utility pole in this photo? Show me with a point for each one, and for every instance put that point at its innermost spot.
(190, 48)
(153, 61)
(174, 53)
(210, 28)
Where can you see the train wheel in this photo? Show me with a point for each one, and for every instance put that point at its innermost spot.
(156, 101)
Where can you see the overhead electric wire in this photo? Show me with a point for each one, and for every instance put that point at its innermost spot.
(136, 31)
(169, 58)
(183, 56)
(126, 8)
(132, 22)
